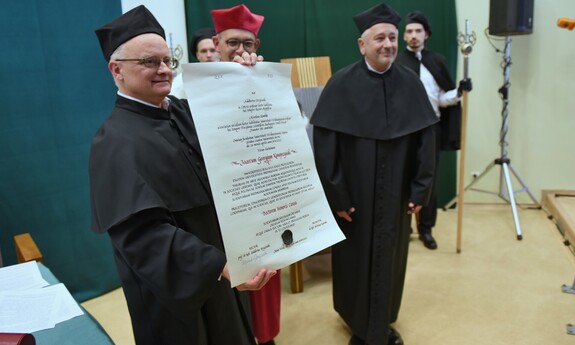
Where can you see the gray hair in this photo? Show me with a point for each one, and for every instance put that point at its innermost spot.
(117, 55)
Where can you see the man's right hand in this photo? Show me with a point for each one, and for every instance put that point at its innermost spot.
(248, 59)
(256, 283)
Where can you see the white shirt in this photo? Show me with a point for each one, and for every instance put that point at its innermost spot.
(437, 96)
(374, 70)
(165, 102)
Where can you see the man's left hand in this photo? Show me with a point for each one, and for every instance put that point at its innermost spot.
(464, 85)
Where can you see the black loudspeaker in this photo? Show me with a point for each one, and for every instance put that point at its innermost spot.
(510, 17)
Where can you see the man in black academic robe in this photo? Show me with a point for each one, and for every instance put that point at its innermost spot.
(151, 194)
(432, 69)
(374, 147)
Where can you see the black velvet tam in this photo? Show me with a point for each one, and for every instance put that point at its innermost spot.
(381, 13)
(418, 17)
(137, 21)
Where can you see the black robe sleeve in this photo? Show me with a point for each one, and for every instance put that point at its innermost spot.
(329, 168)
(179, 268)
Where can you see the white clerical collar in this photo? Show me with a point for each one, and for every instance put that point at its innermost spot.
(165, 102)
(416, 52)
(376, 71)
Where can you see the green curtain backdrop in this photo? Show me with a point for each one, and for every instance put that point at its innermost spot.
(301, 28)
(56, 90)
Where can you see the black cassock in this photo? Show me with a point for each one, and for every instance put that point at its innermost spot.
(374, 147)
(150, 191)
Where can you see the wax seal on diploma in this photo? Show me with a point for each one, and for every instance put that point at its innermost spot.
(287, 237)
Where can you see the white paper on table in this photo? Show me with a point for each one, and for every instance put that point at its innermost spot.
(260, 165)
(21, 276)
(67, 307)
(33, 310)
(26, 311)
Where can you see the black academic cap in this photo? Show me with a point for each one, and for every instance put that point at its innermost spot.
(378, 14)
(419, 18)
(199, 35)
(137, 21)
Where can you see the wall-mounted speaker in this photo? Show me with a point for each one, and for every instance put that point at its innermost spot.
(510, 17)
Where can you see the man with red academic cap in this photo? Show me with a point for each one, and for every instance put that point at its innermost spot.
(237, 36)
(151, 194)
(374, 147)
(236, 32)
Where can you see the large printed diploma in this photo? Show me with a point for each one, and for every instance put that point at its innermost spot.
(269, 200)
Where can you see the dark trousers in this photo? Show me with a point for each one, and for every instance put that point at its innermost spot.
(428, 214)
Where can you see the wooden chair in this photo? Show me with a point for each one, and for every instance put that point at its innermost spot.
(26, 249)
(308, 72)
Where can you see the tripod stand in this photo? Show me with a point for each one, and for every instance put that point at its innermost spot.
(507, 194)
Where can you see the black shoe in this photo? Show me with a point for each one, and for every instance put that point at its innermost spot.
(394, 338)
(428, 240)
(355, 340)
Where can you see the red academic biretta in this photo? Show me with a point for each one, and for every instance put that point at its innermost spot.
(237, 17)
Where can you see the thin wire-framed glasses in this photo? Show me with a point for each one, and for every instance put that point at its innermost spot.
(155, 62)
(234, 43)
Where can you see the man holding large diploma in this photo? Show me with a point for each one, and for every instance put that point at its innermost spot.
(151, 194)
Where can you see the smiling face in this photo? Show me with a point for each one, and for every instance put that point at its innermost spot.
(134, 79)
(379, 45)
(233, 42)
(415, 36)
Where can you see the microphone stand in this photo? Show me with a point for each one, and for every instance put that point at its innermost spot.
(503, 161)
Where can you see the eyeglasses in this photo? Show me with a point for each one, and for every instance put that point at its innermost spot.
(249, 44)
(155, 62)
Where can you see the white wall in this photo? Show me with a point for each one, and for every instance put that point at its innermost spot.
(541, 109)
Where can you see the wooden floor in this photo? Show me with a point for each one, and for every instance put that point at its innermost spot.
(497, 291)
